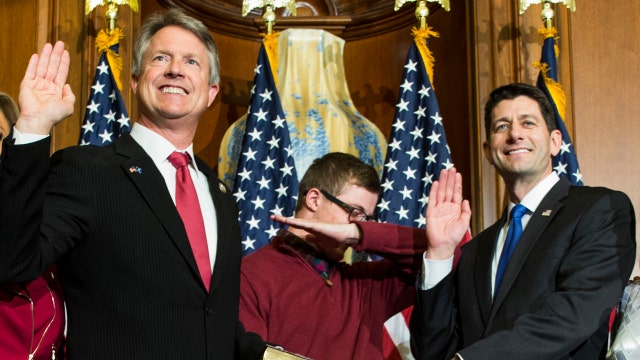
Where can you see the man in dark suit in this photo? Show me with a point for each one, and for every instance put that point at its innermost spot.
(108, 216)
(567, 270)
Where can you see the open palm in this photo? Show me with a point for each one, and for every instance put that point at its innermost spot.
(45, 97)
(447, 215)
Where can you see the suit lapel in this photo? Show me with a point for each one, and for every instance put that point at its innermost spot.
(482, 268)
(144, 174)
(223, 217)
(540, 219)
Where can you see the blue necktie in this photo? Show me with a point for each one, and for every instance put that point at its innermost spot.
(513, 235)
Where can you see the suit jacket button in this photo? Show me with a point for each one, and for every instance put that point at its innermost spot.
(207, 310)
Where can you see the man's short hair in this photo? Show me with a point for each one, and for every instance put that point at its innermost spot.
(9, 108)
(175, 17)
(512, 91)
(334, 172)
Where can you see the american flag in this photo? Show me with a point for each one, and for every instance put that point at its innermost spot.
(417, 149)
(416, 154)
(566, 162)
(105, 117)
(266, 180)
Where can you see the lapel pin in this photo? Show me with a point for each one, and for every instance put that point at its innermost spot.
(135, 169)
(546, 213)
(222, 188)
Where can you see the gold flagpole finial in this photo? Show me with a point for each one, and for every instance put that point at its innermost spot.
(422, 11)
(547, 12)
(112, 10)
(269, 16)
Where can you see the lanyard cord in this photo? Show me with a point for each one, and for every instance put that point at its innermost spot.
(33, 326)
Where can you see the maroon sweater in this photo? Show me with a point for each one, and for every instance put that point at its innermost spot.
(287, 302)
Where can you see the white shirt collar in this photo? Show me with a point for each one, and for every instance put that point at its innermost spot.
(535, 195)
(156, 146)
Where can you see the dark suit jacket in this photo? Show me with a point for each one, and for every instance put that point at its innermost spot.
(128, 273)
(566, 274)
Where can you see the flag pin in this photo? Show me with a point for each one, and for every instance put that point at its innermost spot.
(546, 213)
(135, 169)
(222, 188)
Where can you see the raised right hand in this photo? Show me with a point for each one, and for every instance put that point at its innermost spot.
(45, 98)
(448, 215)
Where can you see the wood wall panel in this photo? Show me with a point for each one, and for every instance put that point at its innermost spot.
(49, 21)
(483, 44)
(20, 36)
(69, 24)
(605, 53)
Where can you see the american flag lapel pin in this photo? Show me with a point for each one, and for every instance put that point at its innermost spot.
(135, 169)
(546, 213)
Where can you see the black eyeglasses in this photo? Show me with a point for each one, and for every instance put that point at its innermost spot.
(355, 214)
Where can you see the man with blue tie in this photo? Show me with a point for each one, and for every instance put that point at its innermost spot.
(541, 282)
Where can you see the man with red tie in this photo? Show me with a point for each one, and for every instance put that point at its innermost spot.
(145, 236)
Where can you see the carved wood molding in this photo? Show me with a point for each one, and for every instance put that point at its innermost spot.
(350, 20)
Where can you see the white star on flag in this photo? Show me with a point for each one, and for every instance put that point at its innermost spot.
(566, 162)
(266, 181)
(105, 104)
(410, 155)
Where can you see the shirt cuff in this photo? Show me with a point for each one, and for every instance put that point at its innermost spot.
(433, 271)
(22, 139)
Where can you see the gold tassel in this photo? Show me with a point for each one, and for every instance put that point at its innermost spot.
(271, 47)
(104, 41)
(420, 37)
(555, 89)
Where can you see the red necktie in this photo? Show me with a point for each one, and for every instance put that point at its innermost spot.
(189, 210)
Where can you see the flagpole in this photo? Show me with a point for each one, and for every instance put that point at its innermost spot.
(112, 9)
(422, 11)
(269, 15)
(524, 4)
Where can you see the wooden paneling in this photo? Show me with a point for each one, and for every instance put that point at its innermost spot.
(605, 53)
(483, 44)
(69, 24)
(49, 21)
(21, 36)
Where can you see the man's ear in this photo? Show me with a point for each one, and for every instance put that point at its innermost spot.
(134, 83)
(312, 199)
(487, 151)
(555, 142)
(213, 91)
